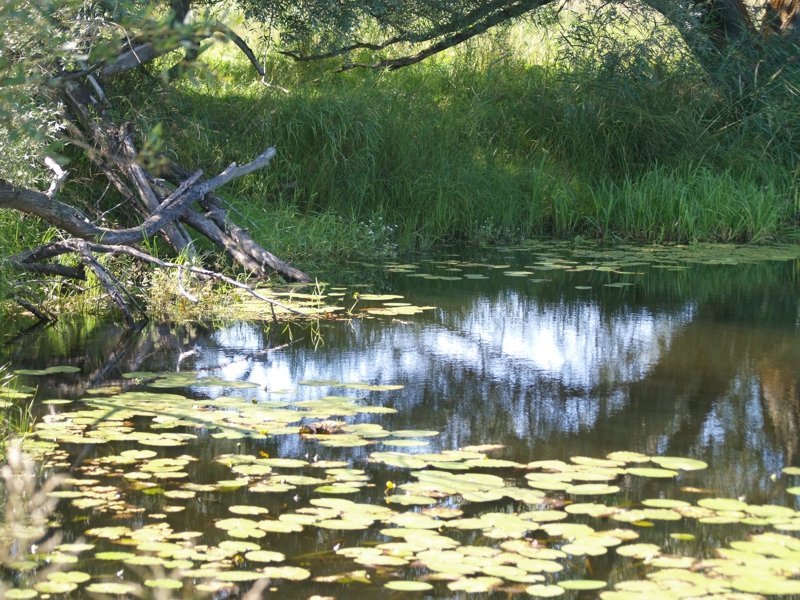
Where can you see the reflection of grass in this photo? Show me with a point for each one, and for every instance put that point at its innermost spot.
(16, 415)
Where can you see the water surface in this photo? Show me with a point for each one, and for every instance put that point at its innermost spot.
(552, 352)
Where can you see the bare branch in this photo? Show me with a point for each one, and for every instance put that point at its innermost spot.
(73, 221)
(501, 15)
(106, 279)
(133, 58)
(58, 180)
(248, 52)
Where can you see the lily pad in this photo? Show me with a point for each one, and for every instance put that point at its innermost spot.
(401, 585)
(49, 371)
(678, 463)
(540, 590)
(582, 584)
(652, 472)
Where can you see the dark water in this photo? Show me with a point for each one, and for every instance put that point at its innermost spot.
(700, 361)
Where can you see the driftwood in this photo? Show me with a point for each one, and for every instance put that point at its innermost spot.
(165, 202)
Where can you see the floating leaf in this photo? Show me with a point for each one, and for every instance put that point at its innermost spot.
(164, 583)
(21, 594)
(49, 371)
(722, 504)
(641, 551)
(408, 586)
(265, 556)
(628, 457)
(115, 588)
(70, 576)
(652, 472)
(591, 489)
(291, 573)
(540, 590)
(678, 463)
(582, 584)
(474, 585)
(248, 510)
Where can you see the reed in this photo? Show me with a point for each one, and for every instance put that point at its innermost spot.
(482, 147)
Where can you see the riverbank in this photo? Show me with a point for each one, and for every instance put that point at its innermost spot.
(480, 147)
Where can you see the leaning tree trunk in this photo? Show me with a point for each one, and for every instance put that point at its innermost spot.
(165, 202)
(726, 41)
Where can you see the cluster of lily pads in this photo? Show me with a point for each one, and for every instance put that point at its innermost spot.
(622, 263)
(326, 302)
(457, 519)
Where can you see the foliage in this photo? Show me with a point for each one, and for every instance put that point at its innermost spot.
(624, 131)
(483, 147)
(16, 418)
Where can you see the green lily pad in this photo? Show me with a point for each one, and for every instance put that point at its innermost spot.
(290, 573)
(541, 590)
(21, 594)
(164, 583)
(652, 472)
(49, 371)
(116, 588)
(592, 489)
(678, 463)
(582, 584)
(400, 585)
(70, 576)
(639, 550)
(473, 585)
(722, 504)
(265, 556)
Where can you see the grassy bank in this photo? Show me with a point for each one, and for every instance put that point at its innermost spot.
(481, 147)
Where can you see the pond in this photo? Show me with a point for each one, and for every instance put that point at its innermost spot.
(545, 420)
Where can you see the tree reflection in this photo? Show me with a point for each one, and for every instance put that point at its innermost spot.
(701, 362)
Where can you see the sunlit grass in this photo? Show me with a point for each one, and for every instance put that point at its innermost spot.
(509, 137)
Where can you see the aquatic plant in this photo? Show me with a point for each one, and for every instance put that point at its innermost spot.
(16, 417)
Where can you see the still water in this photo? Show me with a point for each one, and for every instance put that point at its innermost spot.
(552, 352)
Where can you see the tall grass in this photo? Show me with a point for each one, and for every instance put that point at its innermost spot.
(480, 146)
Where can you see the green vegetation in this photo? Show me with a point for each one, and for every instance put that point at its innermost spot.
(476, 146)
(641, 125)
(16, 417)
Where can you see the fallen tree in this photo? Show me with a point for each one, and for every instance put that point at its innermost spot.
(170, 201)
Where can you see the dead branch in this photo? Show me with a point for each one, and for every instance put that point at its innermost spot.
(112, 286)
(165, 210)
(76, 223)
(85, 249)
(246, 251)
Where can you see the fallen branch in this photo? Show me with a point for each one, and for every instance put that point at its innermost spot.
(82, 247)
(76, 223)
